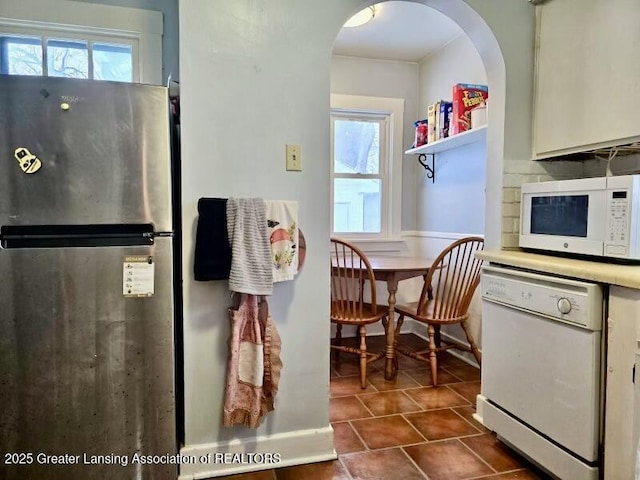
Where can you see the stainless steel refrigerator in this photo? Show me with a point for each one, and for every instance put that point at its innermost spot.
(86, 281)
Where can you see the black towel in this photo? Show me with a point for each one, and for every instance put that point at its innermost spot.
(213, 251)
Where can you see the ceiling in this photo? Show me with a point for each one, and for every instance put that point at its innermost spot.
(401, 30)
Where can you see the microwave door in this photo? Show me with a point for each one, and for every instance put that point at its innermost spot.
(571, 222)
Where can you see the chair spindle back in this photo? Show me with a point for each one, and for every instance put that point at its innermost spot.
(455, 275)
(350, 268)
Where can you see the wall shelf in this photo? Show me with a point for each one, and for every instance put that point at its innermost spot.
(449, 143)
(465, 138)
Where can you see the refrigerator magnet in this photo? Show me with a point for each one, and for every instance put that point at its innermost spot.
(29, 163)
(138, 276)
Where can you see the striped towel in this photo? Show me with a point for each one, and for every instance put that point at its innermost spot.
(247, 229)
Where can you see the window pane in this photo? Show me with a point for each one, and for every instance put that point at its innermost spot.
(67, 58)
(112, 62)
(21, 55)
(357, 205)
(356, 146)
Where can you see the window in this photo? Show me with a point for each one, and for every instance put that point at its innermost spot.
(39, 55)
(359, 172)
(81, 40)
(366, 155)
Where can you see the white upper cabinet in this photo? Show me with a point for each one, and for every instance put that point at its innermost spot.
(587, 85)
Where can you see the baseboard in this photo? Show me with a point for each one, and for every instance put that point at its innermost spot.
(252, 454)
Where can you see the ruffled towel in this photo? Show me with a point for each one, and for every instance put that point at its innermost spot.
(282, 219)
(253, 368)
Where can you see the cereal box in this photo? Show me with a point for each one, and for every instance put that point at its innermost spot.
(466, 97)
(445, 119)
(431, 123)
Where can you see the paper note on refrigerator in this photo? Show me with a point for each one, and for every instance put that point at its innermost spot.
(138, 276)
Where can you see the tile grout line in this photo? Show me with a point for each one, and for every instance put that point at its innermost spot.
(345, 468)
(414, 427)
(492, 475)
(479, 431)
(359, 437)
(367, 408)
(424, 474)
(422, 409)
(478, 455)
(401, 391)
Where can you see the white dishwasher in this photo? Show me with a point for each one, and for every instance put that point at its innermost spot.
(542, 368)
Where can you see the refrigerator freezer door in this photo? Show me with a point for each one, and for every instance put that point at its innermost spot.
(86, 370)
(83, 152)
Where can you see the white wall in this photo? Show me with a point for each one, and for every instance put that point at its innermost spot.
(454, 203)
(255, 76)
(456, 62)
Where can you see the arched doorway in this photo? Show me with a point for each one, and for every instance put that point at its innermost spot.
(484, 41)
(452, 207)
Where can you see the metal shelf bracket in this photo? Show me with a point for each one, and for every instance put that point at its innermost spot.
(431, 169)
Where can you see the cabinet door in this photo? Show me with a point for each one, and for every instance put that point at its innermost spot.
(587, 75)
(622, 417)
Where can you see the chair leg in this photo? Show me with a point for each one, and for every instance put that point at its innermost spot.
(472, 343)
(395, 340)
(438, 337)
(433, 358)
(338, 341)
(363, 356)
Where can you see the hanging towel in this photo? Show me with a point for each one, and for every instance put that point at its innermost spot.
(282, 219)
(212, 258)
(253, 368)
(250, 253)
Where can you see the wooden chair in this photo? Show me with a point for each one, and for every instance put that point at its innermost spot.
(350, 270)
(455, 276)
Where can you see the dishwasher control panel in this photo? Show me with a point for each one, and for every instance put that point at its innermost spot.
(571, 301)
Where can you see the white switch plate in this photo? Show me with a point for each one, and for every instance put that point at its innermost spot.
(294, 159)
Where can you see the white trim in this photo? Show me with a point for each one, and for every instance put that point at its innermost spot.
(394, 107)
(444, 235)
(295, 448)
(372, 245)
(94, 19)
(400, 244)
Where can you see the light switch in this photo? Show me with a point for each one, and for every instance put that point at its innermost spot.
(294, 159)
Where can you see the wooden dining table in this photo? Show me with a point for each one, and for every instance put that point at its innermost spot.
(392, 270)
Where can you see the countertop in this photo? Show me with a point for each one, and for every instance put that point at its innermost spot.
(599, 271)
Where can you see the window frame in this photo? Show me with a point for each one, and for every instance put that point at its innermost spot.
(142, 29)
(383, 121)
(391, 190)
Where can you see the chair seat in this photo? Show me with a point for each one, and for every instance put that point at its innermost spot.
(367, 317)
(411, 310)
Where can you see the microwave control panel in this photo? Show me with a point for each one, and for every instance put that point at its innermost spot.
(617, 235)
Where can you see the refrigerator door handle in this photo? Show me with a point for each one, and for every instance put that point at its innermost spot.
(63, 236)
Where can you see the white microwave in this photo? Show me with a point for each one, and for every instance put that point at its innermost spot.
(589, 216)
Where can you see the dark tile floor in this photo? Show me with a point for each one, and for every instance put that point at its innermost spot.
(406, 429)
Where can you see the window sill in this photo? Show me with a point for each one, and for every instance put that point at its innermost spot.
(374, 245)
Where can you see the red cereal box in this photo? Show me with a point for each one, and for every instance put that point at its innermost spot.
(466, 97)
